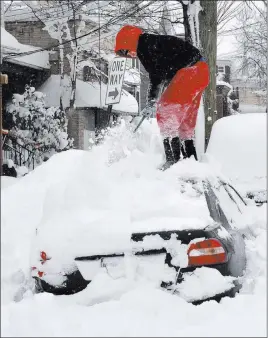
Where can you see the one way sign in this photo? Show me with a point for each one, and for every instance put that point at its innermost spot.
(115, 81)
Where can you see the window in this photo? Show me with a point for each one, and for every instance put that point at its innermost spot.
(234, 195)
(129, 63)
(86, 73)
(228, 201)
(134, 63)
(221, 69)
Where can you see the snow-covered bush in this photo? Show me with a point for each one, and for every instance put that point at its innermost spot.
(41, 129)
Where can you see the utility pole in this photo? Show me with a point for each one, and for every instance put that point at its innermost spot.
(208, 39)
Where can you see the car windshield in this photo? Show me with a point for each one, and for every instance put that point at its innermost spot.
(230, 202)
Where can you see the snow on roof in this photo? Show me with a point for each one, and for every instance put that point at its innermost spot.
(9, 44)
(223, 83)
(132, 76)
(223, 62)
(87, 95)
(9, 41)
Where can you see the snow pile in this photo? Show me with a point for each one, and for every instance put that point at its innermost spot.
(122, 177)
(158, 313)
(7, 181)
(251, 108)
(211, 281)
(238, 147)
(122, 195)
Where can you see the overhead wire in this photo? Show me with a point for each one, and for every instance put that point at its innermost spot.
(65, 16)
(42, 11)
(107, 24)
(110, 34)
(88, 14)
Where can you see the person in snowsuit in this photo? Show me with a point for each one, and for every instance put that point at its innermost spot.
(177, 70)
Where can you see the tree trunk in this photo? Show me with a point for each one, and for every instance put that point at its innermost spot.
(186, 24)
(208, 39)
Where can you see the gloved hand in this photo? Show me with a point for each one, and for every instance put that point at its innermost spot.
(149, 110)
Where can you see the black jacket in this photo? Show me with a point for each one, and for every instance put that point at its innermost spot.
(162, 56)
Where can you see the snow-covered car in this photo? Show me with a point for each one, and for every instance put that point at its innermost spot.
(238, 147)
(199, 253)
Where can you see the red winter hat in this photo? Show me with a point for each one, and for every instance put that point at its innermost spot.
(127, 38)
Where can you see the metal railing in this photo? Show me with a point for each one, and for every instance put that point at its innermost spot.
(21, 155)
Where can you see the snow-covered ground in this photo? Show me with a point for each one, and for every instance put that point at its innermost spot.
(122, 173)
(251, 108)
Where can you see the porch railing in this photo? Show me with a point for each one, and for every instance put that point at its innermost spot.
(21, 155)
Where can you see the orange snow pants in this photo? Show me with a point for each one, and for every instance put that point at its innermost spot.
(178, 106)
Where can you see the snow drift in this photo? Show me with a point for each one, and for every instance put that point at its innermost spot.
(120, 175)
(238, 148)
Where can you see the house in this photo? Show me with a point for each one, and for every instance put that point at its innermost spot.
(249, 89)
(246, 88)
(91, 112)
(32, 69)
(26, 28)
(223, 66)
(227, 96)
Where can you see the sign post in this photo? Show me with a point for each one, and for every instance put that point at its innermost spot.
(115, 81)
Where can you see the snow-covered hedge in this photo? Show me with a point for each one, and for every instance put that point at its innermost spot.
(42, 129)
